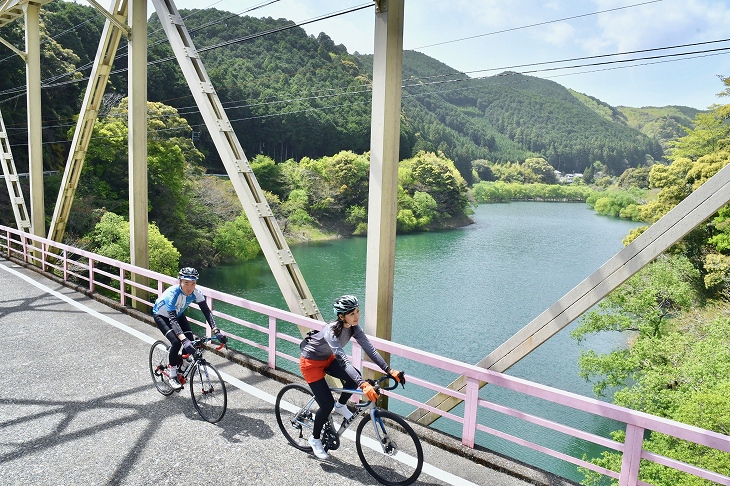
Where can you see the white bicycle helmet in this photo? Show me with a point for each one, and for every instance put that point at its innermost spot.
(188, 273)
(345, 304)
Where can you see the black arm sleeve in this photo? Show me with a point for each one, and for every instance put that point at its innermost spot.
(207, 313)
(174, 324)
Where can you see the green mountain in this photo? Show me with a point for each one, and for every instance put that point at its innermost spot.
(664, 124)
(291, 95)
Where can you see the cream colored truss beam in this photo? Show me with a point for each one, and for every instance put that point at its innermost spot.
(683, 218)
(274, 246)
(98, 79)
(11, 10)
(114, 19)
(20, 211)
(14, 49)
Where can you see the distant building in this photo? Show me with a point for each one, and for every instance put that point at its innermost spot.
(568, 178)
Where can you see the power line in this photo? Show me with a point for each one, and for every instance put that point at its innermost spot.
(535, 25)
(412, 95)
(696, 54)
(272, 31)
(348, 93)
(22, 89)
(599, 56)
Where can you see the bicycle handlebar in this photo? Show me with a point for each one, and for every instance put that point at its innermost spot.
(378, 386)
(198, 342)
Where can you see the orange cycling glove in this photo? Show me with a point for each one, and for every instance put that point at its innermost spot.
(369, 391)
(398, 376)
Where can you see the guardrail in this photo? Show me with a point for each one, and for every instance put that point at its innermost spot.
(276, 341)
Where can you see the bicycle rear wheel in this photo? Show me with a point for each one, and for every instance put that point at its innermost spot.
(159, 361)
(208, 392)
(295, 409)
(390, 450)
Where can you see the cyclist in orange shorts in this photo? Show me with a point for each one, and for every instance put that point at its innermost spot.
(323, 353)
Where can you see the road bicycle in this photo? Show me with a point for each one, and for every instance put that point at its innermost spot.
(387, 446)
(207, 388)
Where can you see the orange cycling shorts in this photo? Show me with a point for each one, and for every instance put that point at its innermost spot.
(313, 369)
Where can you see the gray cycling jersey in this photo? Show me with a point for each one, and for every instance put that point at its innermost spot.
(324, 344)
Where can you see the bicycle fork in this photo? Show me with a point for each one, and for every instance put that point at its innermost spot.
(386, 443)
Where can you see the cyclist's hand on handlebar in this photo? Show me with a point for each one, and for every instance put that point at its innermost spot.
(218, 335)
(188, 347)
(370, 391)
(398, 376)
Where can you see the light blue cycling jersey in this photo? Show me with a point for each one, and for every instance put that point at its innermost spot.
(173, 299)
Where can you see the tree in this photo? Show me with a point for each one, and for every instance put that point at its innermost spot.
(173, 165)
(110, 238)
(711, 132)
(543, 172)
(436, 175)
(268, 174)
(685, 376)
(642, 306)
(483, 170)
(236, 240)
(635, 177)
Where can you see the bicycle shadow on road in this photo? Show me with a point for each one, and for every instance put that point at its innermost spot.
(43, 427)
(334, 465)
(239, 424)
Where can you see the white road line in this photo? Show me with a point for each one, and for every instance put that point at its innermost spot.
(432, 471)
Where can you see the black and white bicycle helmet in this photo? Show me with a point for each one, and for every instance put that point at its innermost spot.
(345, 304)
(188, 273)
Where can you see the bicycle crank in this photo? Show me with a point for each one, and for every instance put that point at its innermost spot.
(330, 439)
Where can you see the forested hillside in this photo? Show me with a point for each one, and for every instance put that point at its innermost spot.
(664, 124)
(290, 95)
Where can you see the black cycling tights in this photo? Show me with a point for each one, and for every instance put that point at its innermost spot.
(324, 397)
(163, 324)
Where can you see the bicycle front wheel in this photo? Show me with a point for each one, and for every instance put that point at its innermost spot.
(389, 448)
(159, 361)
(295, 409)
(208, 392)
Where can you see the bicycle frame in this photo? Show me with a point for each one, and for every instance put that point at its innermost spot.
(206, 385)
(295, 413)
(198, 359)
(361, 408)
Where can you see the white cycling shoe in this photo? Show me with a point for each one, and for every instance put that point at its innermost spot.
(175, 384)
(318, 448)
(343, 410)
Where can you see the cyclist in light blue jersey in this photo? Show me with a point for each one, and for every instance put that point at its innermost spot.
(169, 314)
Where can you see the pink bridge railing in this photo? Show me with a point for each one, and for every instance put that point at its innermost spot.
(101, 274)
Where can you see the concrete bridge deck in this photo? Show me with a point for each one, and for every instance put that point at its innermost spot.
(78, 407)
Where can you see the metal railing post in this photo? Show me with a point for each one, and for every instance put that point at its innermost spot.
(471, 407)
(122, 297)
(91, 274)
(632, 456)
(24, 242)
(356, 356)
(272, 342)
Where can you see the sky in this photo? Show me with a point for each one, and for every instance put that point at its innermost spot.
(486, 37)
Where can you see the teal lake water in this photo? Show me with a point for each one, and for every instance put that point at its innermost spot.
(462, 293)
